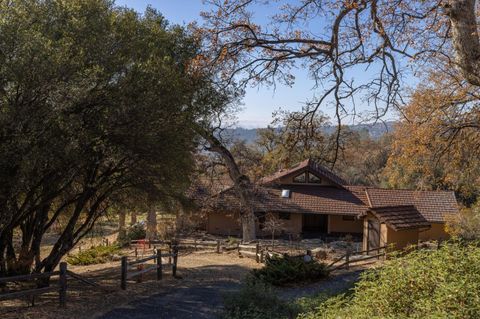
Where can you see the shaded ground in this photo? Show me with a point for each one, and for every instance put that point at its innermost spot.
(338, 284)
(202, 301)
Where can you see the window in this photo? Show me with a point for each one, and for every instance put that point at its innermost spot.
(314, 179)
(348, 218)
(284, 216)
(302, 178)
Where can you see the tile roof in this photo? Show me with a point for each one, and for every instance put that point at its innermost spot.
(402, 217)
(433, 205)
(303, 199)
(342, 199)
(309, 164)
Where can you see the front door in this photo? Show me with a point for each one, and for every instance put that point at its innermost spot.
(315, 223)
(373, 234)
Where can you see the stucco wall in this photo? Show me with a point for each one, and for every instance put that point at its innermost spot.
(388, 236)
(336, 224)
(289, 226)
(294, 225)
(437, 232)
(402, 238)
(219, 223)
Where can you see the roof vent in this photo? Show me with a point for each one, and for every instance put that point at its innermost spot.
(285, 193)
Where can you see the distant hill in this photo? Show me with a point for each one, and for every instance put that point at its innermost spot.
(375, 131)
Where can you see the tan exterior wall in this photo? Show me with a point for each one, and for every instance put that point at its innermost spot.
(388, 236)
(294, 225)
(336, 224)
(219, 223)
(437, 232)
(402, 239)
(290, 226)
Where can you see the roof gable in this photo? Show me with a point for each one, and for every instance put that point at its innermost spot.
(307, 165)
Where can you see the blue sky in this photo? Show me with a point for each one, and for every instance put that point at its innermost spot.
(259, 102)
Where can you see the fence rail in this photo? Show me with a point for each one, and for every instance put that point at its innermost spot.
(61, 288)
(143, 268)
(348, 260)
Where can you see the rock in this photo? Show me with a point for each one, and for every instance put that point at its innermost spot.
(307, 258)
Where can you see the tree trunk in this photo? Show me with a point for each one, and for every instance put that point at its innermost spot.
(122, 232)
(462, 14)
(133, 218)
(152, 224)
(242, 184)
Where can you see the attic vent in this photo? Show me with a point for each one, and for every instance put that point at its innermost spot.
(285, 193)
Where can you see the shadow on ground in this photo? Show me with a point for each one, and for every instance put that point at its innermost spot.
(198, 295)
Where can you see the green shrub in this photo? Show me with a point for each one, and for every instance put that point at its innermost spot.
(137, 231)
(232, 240)
(94, 255)
(279, 271)
(256, 300)
(422, 284)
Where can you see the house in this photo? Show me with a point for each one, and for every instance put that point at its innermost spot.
(312, 201)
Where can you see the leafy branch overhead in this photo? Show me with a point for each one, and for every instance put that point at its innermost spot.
(335, 41)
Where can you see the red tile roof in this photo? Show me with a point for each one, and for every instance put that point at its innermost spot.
(400, 217)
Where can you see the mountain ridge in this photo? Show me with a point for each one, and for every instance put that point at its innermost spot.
(374, 131)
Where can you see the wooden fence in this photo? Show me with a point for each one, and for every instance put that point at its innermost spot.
(210, 245)
(352, 258)
(142, 267)
(251, 251)
(63, 274)
(61, 288)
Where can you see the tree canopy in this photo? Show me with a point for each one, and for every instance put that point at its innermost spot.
(97, 104)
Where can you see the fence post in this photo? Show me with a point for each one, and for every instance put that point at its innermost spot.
(63, 284)
(218, 246)
(347, 259)
(257, 250)
(175, 258)
(136, 253)
(123, 276)
(262, 258)
(170, 253)
(159, 264)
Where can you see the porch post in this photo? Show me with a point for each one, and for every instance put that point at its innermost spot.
(328, 224)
